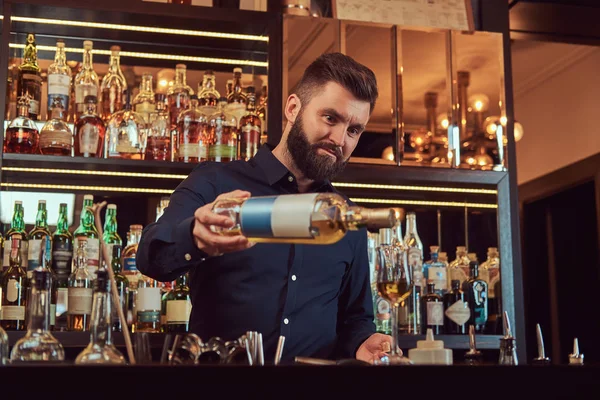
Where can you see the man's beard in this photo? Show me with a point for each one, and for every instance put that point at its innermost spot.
(313, 166)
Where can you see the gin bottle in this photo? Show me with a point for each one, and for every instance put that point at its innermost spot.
(80, 293)
(457, 312)
(436, 271)
(37, 235)
(432, 310)
(459, 268)
(476, 294)
(59, 79)
(87, 232)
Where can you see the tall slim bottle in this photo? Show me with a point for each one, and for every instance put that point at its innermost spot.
(80, 293)
(45, 257)
(14, 291)
(415, 249)
(144, 102)
(87, 232)
(86, 80)
(38, 234)
(459, 268)
(131, 272)
(178, 95)
(236, 99)
(111, 236)
(16, 231)
(383, 316)
(112, 87)
(476, 294)
(59, 79)
(122, 288)
(62, 259)
(249, 127)
(29, 83)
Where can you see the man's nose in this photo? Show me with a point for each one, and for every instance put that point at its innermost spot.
(337, 134)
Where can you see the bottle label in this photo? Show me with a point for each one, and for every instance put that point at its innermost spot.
(32, 85)
(88, 139)
(62, 257)
(13, 290)
(269, 216)
(62, 301)
(383, 309)
(52, 314)
(148, 298)
(145, 108)
(148, 317)
(12, 313)
(55, 139)
(178, 311)
(33, 258)
(84, 89)
(494, 278)
(59, 86)
(6, 256)
(237, 109)
(249, 141)
(124, 144)
(129, 264)
(459, 312)
(439, 276)
(80, 301)
(218, 151)
(435, 313)
(92, 252)
(188, 150)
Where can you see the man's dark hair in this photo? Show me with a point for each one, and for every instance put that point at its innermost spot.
(339, 68)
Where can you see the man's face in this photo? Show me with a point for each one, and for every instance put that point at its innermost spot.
(326, 132)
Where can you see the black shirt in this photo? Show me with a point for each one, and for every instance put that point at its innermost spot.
(317, 296)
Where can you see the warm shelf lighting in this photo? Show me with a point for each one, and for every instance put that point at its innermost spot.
(424, 203)
(85, 188)
(414, 188)
(98, 173)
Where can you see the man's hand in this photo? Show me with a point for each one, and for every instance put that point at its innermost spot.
(376, 345)
(212, 243)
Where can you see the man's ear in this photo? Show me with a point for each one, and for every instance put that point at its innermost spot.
(292, 108)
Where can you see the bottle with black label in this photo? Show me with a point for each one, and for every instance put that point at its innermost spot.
(432, 310)
(476, 294)
(456, 310)
(62, 259)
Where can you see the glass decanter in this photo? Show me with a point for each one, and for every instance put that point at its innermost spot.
(192, 124)
(56, 138)
(158, 146)
(22, 135)
(126, 133)
(223, 134)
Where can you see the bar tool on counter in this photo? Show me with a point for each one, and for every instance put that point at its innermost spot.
(541, 359)
(508, 346)
(321, 361)
(279, 351)
(575, 358)
(473, 356)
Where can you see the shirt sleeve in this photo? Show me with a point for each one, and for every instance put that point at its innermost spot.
(167, 248)
(355, 310)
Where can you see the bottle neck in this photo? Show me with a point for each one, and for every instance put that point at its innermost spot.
(115, 63)
(81, 259)
(87, 216)
(30, 53)
(181, 282)
(17, 223)
(134, 237)
(434, 257)
(116, 260)
(60, 58)
(251, 103)
(110, 225)
(62, 225)
(58, 113)
(147, 85)
(208, 82)
(180, 77)
(15, 254)
(100, 326)
(87, 59)
(41, 219)
(38, 320)
(90, 109)
(24, 110)
(237, 83)
(411, 225)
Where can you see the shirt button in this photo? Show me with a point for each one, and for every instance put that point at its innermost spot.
(293, 277)
(291, 178)
(286, 321)
(188, 257)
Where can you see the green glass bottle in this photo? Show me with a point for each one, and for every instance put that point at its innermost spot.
(62, 260)
(179, 306)
(17, 231)
(36, 236)
(122, 288)
(110, 235)
(86, 231)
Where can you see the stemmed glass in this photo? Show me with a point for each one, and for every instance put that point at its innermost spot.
(394, 283)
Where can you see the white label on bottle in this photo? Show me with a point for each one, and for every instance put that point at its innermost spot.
(439, 276)
(80, 301)
(33, 256)
(88, 139)
(435, 313)
(148, 298)
(178, 311)
(62, 301)
(6, 257)
(12, 290)
(188, 150)
(92, 252)
(59, 84)
(52, 314)
(459, 312)
(12, 313)
(85, 89)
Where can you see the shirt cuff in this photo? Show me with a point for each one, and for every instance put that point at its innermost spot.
(186, 251)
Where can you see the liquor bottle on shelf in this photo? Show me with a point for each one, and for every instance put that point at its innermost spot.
(45, 257)
(89, 132)
(158, 146)
(14, 290)
(228, 88)
(192, 146)
(249, 127)
(476, 294)
(236, 99)
(126, 134)
(8, 113)
(16, 231)
(130, 270)
(179, 306)
(56, 138)
(80, 292)
(432, 310)
(22, 134)
(489, 270)
(144, 103)
(415, 249)
(86, 80)
(29, 82)
(110, 236)
(112, 87)
(457, 312)
(38, 344)
(62, 259)
(163, 305)
(436, 270)
(148, 305)
(87, 232)
(459, 268)
(472, 257)
(36, 236)
(122, 288)
(443, 258)
(100, 349)
(381, 305)
(178, 95)
(208, 96)
(261, 110)
(223, 131)
(319, 218)
(59, 79)
(160, 208)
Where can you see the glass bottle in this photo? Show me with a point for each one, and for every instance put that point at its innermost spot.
(59, 79)
(130, 270)
(261, 110)
(87, 232)
(62, 258)
(56, 138)
(89, 132)
(476, 294)
(80, 292)
(126, 134)
(110, 236)
(250, 127)
(192, 146)
(122, 287)
(163, 305)
(45, 257)
(86, 80)
(36, 236)
(436, 270)
(144, 103)
(310, 218)
(432, 310)
(415, 249)
(459, 268)
(223, 131)
(100, 349)
(208, 96)
(112, 87)
(148, 305)
(179, 306)
(178, 95)
(489, 270)
(38, 344)
(14, 290)
(457, 312)
(162, 205)
(228, 88)
(16, 231)
(158, 146)
(382, 306)
(29, 82)
(236, 99)
(22, 135)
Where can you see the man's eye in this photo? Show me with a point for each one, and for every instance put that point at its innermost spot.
(353, 132)
(329, 119)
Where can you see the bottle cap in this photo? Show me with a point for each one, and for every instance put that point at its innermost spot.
(60, 43)
(434, 249)
(88, 197)
(111, 207)
(41, 201)
(18, 202)
(180, 66)
(460, 248)
(63, 204)
(472, 256)
(381, 218)
(430, 342)
(209, 72)
(115, 48)
(237, 70)
(136, 227)
(88, 44)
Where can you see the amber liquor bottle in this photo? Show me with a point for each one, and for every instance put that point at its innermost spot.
(29, 82)
(192, 126)
(22, 135)
(89, 131)
(14, 291)
(250, 128)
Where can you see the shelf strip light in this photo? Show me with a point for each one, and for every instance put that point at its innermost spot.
(149, 29)
(424, 203)
(98, 173)
(86, 188)
(153, 56)
(414, 188)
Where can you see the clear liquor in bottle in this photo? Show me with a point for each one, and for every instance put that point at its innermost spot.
(144, 103)
(100, 349)
(179, 306)
(208, 96)
(249, 128)
(110, 236)
(62, 259)
(16, 231)
(459, 268)
(261, 110)
(122, 288)
(89, 132)
(14, 290)
(160, 208)
(29, 82)
(130, 270)
(22, 135)
(383, 316)
(37, 236)
(158, 147)
(310, 218)
(148, 305)
(432, 310)
(45, 258)
(436, 270)
(457, 312)
(236, 99)
(59, 79)
(80, 293)
(414, 249)
(489, 270)
(113, 86)
(223, 131)
(38, 344)
(87, 232)
(476, 294)
(86, 80)
(126, 134)
(193, 143)
(56, 138)
(178, 95)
